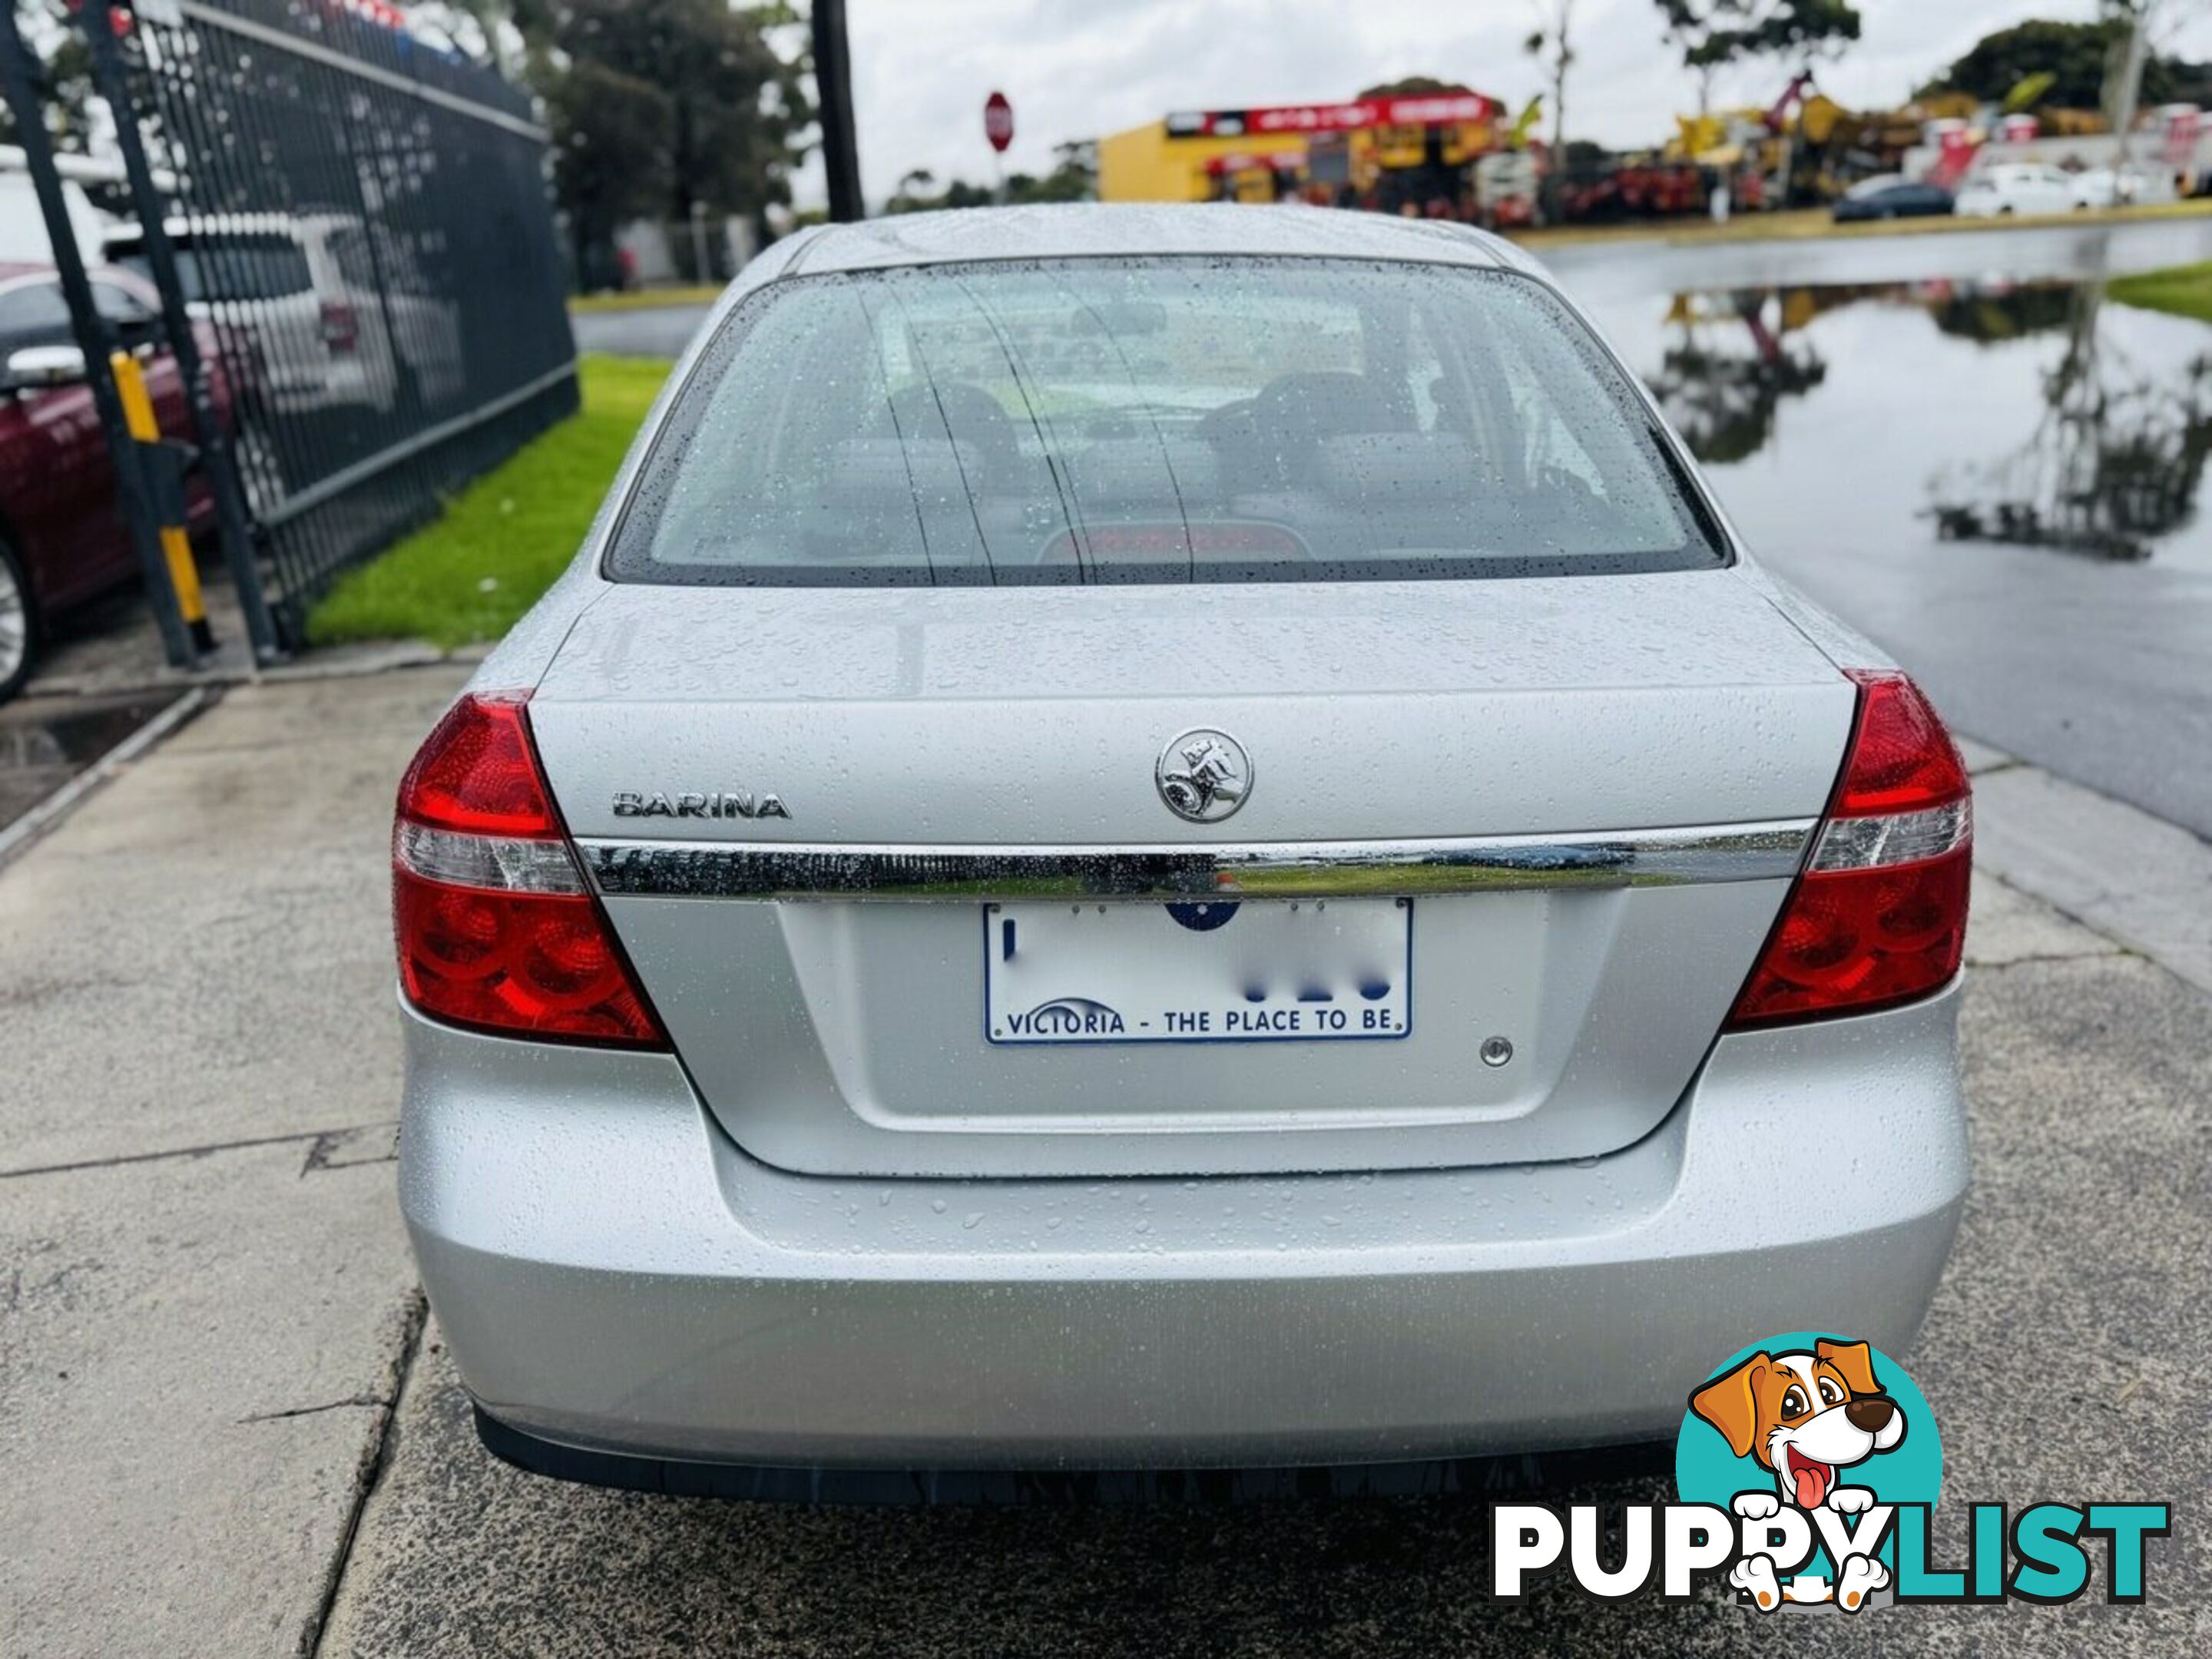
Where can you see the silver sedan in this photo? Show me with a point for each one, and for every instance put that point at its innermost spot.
(1155, 838)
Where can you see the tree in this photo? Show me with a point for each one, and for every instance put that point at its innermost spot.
(1714, 34)
(47, 30)
(656, 106)
(1073, 178)
(2076, 55)
(732, 104)
(913, 194)
(609, 160)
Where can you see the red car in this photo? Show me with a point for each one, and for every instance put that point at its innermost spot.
(63, 539)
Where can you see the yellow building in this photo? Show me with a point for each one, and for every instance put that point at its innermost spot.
(1145, 165)
(1264, 153)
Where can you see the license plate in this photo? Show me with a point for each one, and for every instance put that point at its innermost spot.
(1209, 971)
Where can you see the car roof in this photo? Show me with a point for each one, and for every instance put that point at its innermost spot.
(1094, 229)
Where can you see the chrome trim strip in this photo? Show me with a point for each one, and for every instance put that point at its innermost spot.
(1628, 858)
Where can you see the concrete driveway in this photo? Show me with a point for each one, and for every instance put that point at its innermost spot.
(225, 1429)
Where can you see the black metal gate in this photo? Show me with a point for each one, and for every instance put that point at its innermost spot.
(355, 228)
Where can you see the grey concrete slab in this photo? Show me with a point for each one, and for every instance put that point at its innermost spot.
(113, 648)
(197, 1357)
(1981, 757)
(2133, 877)
(2005, 926)
(202, 954)
(2062, 1357)
(114, 644)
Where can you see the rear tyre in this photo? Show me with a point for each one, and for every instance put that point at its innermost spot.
(19, 628)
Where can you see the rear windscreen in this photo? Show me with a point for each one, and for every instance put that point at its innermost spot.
(242, 266)
(1155, 420)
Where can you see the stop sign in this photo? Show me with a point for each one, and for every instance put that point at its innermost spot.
(999, 121)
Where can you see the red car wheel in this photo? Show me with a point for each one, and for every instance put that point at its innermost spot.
(19, 634)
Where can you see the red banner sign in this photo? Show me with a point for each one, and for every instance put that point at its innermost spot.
(1419, 110)
(1275, 161)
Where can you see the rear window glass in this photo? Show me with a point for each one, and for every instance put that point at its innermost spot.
(1155, 420)
(233, 267)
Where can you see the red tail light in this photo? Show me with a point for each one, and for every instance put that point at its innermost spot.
(495, 927)
(341, 327)
(1879, 916)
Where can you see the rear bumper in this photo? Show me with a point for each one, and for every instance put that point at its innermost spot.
(613, 1275)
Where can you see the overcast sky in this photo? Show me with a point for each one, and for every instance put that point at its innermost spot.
(1075, 69)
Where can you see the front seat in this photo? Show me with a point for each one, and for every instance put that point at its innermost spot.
(974, 416)
(1294, 414)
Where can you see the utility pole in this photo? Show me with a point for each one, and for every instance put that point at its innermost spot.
(1550, 41)
(833, 94)
(2123, 82)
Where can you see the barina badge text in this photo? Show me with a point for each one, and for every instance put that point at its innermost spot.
(722, 803)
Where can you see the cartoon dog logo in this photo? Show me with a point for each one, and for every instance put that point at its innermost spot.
(1805, 1417)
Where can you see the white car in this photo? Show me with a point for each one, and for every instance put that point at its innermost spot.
(23, 235)
(305, 290)
(1304, 903)
(2110, 187)
(1997, 192)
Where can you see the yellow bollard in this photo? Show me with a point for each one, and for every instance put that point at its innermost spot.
(176, 545)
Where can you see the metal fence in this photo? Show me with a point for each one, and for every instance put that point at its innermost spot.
(357, 226)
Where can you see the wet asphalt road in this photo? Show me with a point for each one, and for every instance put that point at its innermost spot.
(651, 331)
(2097, 672)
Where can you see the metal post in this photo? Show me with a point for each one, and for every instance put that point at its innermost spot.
(233, 519)
(20, 77)
(163, 468)
(833, 89)
(700, 273)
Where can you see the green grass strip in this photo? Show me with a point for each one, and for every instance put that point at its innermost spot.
(502, 541)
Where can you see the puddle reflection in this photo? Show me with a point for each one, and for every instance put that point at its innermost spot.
(46, 741)
(2039, 415)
